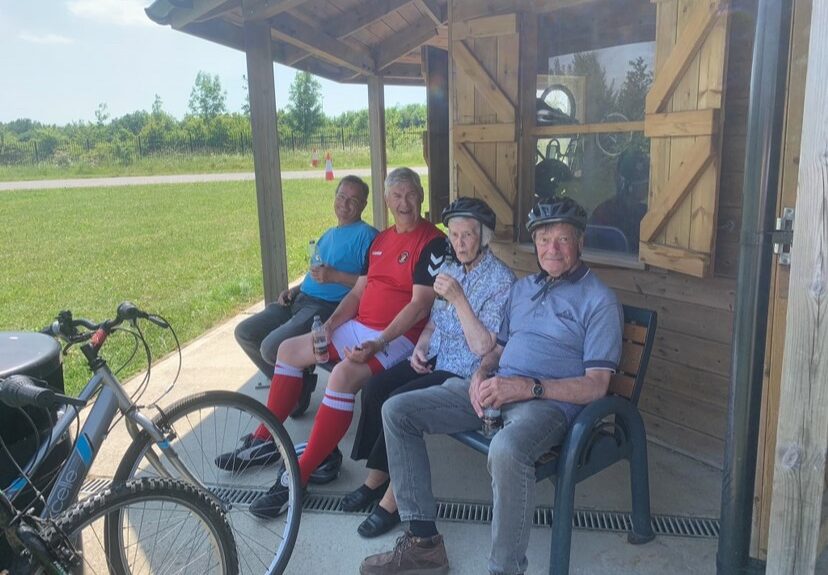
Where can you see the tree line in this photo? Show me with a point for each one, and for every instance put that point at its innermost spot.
(208, 125)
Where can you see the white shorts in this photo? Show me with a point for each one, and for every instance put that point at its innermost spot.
(352, 333)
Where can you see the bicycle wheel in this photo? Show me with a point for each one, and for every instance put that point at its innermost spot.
(147, 526)
(212, 423)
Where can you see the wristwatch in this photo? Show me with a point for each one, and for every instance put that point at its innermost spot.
(537, 388)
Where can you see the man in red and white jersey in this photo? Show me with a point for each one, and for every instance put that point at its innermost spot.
(374, 327)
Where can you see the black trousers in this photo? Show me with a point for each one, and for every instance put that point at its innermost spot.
(370, 440)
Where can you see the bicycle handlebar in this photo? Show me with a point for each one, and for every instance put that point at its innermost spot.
(21, 391)
(65, 325)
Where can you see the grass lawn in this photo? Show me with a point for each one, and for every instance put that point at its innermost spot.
(188, 252)
(204, 164)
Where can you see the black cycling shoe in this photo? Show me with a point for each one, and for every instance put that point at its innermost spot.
(378, 523)
(275, 502)
(254, 452)
(308, 387)
(362, 497)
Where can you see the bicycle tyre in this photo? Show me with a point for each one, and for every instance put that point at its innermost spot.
(113, 505)
(187, 418)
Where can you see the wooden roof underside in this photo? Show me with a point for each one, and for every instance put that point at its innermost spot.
(342, 40)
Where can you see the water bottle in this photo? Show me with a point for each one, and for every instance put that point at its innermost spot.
(492, 422)
(320, 340)
(441, 302)
(313, 254)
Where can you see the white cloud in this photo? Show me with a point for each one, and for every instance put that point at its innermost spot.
(45, 38)
(117, 12)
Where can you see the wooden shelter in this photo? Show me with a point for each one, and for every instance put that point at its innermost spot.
(666, 80)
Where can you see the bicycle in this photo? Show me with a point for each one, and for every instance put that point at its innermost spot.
(183, 442)
(115, 520)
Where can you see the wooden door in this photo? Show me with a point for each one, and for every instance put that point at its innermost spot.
(777, 316)
(484, 73)
(683, 120)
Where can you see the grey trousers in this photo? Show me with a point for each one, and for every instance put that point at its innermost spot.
(261, 334)
(530, 429)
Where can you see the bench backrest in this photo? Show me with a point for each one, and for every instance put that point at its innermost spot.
(638, 338)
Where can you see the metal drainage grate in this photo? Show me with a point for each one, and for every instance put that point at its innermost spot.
(475, 512)
(587, 520)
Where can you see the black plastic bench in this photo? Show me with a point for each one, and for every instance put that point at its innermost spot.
(604, 432)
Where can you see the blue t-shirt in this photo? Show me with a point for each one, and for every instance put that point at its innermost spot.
(344, 248)
(560, 330)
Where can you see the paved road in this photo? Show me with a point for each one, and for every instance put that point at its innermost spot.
(177, 179)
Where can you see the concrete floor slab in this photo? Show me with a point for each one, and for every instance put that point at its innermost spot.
(328, 543)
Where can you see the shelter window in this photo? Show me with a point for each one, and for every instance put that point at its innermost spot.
(595, 67)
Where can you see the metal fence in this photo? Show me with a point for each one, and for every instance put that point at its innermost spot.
(129, 149)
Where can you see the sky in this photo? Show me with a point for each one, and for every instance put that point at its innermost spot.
(60, 59)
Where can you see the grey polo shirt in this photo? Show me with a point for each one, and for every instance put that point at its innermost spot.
(560, 330)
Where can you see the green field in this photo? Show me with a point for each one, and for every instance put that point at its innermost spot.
(204, 164)
(188, 252)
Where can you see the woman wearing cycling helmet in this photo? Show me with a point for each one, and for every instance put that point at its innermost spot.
(474, 288)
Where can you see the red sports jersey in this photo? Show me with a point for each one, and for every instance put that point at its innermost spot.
(395, 263)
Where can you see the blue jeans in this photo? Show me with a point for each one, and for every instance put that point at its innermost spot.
(530, 429)
(261, 334)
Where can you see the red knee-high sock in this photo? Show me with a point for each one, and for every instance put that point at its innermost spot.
(332, 421)
(285, 388)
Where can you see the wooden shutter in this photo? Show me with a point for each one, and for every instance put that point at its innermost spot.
(683, 121)
(484, 61)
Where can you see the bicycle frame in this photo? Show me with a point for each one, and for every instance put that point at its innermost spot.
(112, 398)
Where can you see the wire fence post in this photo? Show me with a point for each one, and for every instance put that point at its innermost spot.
(37, 159)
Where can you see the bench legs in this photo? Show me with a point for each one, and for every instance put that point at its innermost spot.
(642, 530)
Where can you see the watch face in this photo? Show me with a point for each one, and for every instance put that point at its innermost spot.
(537, 389)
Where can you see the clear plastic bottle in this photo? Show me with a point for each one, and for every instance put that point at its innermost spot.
(320, 341)
(314, 256)
(492, 421)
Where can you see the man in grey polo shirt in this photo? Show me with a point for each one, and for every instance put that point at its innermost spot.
(558, 345)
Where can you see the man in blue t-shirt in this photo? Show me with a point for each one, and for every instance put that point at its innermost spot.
(344, 254)
(558, 344)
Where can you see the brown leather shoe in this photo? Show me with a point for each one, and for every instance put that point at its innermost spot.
(410, 556)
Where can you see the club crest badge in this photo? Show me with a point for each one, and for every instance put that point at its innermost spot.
(403, 257)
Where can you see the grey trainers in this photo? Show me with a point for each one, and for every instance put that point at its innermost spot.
(410, 556)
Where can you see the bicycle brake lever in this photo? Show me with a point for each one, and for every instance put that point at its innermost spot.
(157, 321)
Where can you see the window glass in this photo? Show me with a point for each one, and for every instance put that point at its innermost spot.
(601, 83)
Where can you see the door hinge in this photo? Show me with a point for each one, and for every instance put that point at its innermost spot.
(782, 236)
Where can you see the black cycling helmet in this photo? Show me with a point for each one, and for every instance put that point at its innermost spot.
(551, 176)
(557, 209)
(470, 208)
(327, 471)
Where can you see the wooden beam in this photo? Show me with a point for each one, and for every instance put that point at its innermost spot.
(482, 183)
(802, 434)
(398, 45)
(294, 31)
(379, 164)
(267, 9)
(601, 128)
(690, 123)
(485, 27)
(361, 16)
(266, 158)
(480, 133)
(436, 150)
(398, 71)
(699, 23)
(483, 82)
(677, 259)
(432, 9)
(677, 188)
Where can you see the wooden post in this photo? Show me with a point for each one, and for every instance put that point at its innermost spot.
(435, 68)
(379, 167)
(257, 45)
(802, 438)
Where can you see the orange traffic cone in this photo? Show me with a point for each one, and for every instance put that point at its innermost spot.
(328, 167)
(314, 158)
